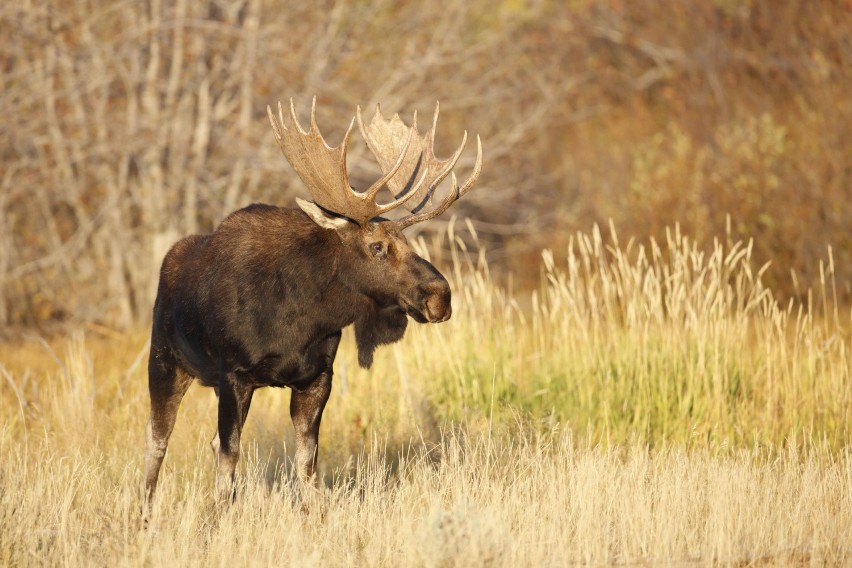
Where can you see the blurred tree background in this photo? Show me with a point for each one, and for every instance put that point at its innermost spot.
(129, 124)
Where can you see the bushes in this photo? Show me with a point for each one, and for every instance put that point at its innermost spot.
(748, 181)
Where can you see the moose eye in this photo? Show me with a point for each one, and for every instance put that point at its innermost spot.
(378, 249)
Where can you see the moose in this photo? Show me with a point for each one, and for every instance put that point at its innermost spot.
(262, 300)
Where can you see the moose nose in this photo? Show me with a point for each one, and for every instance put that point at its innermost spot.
(438, 310)
(438, 302)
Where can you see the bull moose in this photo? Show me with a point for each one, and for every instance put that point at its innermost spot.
(262, 300)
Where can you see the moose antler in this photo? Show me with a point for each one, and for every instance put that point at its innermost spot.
(323, 168)
(390, 138)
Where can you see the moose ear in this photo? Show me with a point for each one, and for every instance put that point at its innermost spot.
(319, 216)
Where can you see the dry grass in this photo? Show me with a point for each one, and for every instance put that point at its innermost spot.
(537, 500)
(645, 407)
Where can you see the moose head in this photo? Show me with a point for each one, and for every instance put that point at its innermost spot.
(382, 264)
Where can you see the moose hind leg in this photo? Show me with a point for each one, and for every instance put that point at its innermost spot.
(234, 402)
(166, 385)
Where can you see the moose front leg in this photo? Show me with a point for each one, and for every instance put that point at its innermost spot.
(234, 402)
(306, 408)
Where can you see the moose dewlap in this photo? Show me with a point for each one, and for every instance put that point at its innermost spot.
(262, 300)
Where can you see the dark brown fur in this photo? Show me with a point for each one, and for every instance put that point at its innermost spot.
(262, 302)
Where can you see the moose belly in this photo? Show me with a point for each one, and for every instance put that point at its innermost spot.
(295, 369)
(276, 371)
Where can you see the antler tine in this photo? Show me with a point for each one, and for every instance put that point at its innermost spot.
(313, 112)
(452, 196)
(343, 146)
(477, 168)
(409, 220)
(444, 167)
(294, 120)
(273, 121)
(449, 163)
(406, 196)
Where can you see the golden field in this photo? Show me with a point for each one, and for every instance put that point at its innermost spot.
(644, 406)
(641, 399)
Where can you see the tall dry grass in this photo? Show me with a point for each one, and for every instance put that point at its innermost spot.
(665, 342)
(645, 406)
(538, 500)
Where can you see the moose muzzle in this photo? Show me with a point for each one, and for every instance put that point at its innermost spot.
(434, 303)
